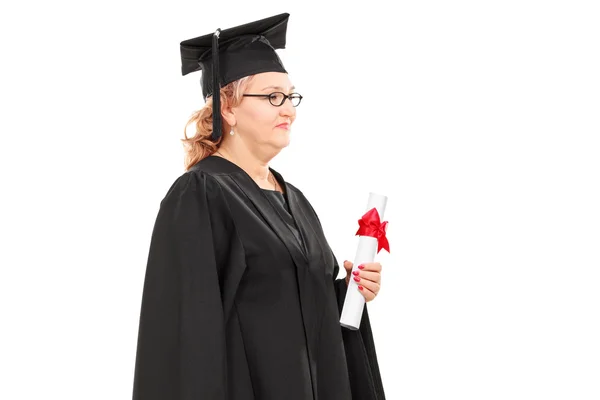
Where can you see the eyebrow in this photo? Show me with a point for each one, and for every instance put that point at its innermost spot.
(278, 87)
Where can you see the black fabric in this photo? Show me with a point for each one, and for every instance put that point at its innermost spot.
(280, 204)
(234, 307)
(359, 345)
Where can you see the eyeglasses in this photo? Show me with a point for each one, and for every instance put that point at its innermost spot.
(278, 98)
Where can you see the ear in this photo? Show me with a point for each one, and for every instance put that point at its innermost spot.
(227, 113)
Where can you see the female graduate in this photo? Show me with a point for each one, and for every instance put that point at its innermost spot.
(241, 299)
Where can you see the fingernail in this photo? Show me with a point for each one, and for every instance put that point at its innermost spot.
(360, 287)
(355, 273)
(357, 279)
(361, 266)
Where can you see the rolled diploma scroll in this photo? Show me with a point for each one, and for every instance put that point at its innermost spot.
(365, 253)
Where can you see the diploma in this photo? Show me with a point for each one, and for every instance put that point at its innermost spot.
(372, 239)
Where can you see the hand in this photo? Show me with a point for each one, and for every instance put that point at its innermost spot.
(367, 276)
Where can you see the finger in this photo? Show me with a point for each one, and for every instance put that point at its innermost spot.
(367, 284)
(374, 266)
(371, 276)
(348, 265)
(367, 294)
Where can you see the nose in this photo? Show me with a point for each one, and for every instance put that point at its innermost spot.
(287, 109)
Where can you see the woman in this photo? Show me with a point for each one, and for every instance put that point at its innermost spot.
(240, 298)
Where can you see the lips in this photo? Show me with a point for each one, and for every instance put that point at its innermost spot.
(284, 126)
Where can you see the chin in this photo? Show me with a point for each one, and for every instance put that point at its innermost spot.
(285, 143)
(281, 142)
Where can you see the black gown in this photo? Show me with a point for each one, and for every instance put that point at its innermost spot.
(241, 300)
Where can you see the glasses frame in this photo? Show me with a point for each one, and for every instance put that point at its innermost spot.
(285, 97)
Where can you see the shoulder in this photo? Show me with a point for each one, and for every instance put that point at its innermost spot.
(192, 183)
(214, 166)
(291, 188)
(301, 199)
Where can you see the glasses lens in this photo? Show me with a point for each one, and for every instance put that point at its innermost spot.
(277, 98)
(295, 98)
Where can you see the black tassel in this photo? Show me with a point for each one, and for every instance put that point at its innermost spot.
(216, 133)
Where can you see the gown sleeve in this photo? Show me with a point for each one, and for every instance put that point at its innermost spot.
(359, 345)
(181, 346)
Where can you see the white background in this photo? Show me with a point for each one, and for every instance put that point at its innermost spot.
(479, 120)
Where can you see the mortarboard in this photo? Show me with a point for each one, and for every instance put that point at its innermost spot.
(242, 51)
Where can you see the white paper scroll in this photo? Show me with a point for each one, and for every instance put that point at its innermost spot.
(367, 249)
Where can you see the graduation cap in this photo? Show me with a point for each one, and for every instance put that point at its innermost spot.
(230, 54)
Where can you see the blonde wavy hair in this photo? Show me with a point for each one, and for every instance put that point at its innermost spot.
(201, 145)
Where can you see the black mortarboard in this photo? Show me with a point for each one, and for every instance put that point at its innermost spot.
(243, 50)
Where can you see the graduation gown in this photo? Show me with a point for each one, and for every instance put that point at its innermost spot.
(240, 299)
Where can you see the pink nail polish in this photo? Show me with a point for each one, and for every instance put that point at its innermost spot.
(355, 273)
(361, 266)
(360, 288)
(357, 279)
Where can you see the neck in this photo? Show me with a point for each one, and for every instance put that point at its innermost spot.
(254, 163)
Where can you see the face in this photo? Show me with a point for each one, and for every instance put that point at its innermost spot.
(259, 122)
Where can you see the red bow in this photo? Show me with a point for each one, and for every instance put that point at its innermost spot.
(370, 225)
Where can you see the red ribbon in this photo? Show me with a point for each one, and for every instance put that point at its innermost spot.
(370, 225)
